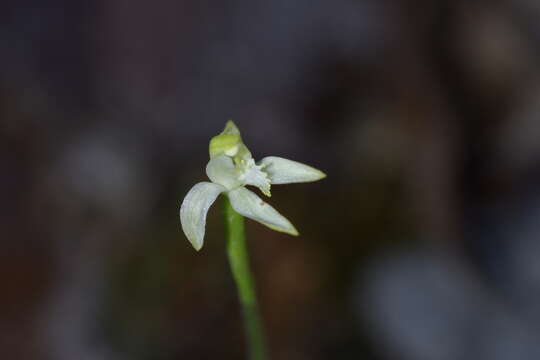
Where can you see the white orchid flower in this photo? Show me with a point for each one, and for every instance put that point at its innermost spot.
(231, 168)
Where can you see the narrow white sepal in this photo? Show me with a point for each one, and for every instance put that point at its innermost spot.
(194, 209)
(221, 170)
(283, 171)
(250, 205)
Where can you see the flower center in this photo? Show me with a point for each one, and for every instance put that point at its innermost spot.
(253, 174)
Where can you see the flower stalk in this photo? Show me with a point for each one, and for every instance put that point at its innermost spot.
(239, 261)
(231, 168)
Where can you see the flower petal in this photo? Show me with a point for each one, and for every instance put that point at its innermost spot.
(194, 209)
(283, 171)
(221, 170)
(250, 205)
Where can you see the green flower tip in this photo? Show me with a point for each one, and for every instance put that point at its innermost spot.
(231, 128)
(227, 143)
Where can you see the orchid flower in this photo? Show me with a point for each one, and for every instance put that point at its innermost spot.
(230, 169)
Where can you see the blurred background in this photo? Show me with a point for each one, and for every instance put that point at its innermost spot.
(422, 243)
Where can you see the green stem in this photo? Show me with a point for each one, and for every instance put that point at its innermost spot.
(238, 259)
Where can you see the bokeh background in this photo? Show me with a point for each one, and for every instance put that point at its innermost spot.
(422, 243)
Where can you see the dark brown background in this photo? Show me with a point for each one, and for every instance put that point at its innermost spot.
(422, 243)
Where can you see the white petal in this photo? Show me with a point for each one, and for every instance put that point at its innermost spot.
(194, 209)
(250, 205)
(221, 170)
(283, 171)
